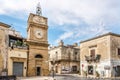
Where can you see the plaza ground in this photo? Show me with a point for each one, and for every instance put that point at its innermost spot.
(65, 77)
(57, 77)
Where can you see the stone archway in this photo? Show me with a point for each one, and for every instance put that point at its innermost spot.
(38, 60)
(38, 56)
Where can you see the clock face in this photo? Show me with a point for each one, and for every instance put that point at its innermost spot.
(38, 33)
(38, 19)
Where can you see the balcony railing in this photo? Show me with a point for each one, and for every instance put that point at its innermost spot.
(93, 58)
(65, 59)
(19, 46)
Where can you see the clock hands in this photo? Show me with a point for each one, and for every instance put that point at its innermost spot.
(39, 34)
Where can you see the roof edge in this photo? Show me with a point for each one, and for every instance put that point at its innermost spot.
(109, 33)
(4, 25)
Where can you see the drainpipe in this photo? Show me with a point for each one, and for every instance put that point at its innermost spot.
(27, 61)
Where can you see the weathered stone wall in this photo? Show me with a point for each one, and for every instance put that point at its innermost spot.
(1, 63)
(33, 62)
(115, 44)
(115, 58)
(1, 57)
(66, 57)
(17, 55)
(3, 47)
(37, 45)
(102, 47)
(55, 53)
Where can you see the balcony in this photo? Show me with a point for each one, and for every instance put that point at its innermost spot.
(18, 44)
(93, 58)
(65, 59)
(25, 47)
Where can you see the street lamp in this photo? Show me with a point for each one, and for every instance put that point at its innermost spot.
(53, 64)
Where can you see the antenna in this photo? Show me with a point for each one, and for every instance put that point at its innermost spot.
(38, 9)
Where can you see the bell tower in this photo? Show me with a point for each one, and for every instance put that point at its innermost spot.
(37, 40)
(38, 10)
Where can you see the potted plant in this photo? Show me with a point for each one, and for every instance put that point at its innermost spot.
(97, 74)
(85, 73)
(4, 72)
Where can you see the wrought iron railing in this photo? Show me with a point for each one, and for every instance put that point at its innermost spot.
(93, 58)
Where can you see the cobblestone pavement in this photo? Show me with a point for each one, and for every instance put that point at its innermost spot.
(57, 77)
(65, 77)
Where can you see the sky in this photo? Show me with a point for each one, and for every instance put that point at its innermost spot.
(69, 20)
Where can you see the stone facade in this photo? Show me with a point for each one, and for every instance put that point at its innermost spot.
(29, 55)
(99, 56)
(3, 46)
(64, 59)
(38, 46)
(17, 56)
(11, 51)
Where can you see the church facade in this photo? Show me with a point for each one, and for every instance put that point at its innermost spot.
(25, 56)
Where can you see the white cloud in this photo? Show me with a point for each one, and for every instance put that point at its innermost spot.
(90, 11)
(66, 35)
(66, 11)
(19, 8)
(85, 15)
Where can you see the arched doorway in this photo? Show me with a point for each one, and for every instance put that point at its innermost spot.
(38, 58)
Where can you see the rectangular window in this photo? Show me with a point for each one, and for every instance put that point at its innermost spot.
(74, 68)
(90, 70)
(75, 56)
(92, 52)
(56, 55)
(118, 51)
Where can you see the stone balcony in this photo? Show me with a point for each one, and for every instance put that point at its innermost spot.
(64, 59)
(91, 58)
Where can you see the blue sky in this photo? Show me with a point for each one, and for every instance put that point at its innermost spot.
(68, 20)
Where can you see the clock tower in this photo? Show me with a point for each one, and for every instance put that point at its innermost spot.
(37, 40)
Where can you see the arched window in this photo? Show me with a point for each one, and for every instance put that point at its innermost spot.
(38, 56)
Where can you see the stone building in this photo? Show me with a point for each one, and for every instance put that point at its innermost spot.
(38, 45)
(3, 47)
(64, 59)
(17, 54)
(25, 56)
(100, 56)
(13, 52)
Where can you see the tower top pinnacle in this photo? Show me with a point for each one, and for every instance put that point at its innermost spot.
(38, 9)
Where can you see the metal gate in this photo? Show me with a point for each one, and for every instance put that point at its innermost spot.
(18, 68)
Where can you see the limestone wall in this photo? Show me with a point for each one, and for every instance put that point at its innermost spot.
(102, 47)
(3, 48)
(17, 55)
(115, 44)
(66, 57)
(42, 62)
